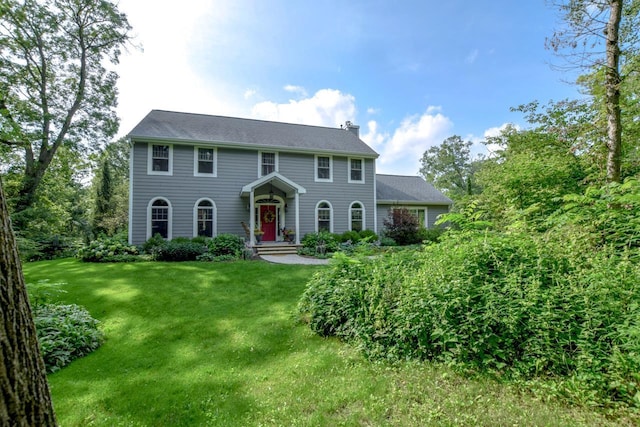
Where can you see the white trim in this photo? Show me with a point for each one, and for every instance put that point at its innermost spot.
(315, 169)
(150, 170)
(214, 229)
(196, 160)
(330, 215)
(351, 181)
(375, 199)
(169, 217)
(277, 178)
(276, 161)
(131, 145)
(364, 215)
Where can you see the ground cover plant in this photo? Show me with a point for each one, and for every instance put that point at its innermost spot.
(219, 344)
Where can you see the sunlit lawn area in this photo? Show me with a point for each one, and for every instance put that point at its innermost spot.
(218, 344)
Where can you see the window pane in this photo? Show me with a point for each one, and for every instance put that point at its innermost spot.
(160, 151)
(268, 163)
(205, 167)
(205, 221)
(161, 165)
(205, 154)
(356, 169)
(324, 217)
(324, 168)
(160, 227)
(205, 160)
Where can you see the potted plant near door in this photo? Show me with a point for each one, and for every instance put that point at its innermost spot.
(289, 235)
(258, 233)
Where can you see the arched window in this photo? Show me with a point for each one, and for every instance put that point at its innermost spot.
(204, 218)
(356, 216)
(159, 218)
(324, 217)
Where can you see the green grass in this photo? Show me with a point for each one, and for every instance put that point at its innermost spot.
(218, 344)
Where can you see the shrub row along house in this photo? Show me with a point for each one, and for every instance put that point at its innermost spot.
(200, 175)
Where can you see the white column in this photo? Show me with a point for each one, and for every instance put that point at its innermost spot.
(297, 203)
(252, 218)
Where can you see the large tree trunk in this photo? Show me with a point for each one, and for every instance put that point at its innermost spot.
(24, 393)
(612, 85)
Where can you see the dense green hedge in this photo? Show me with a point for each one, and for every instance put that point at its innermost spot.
(519, 306)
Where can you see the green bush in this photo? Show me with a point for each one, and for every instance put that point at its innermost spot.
(226, 244)
(430, 235)
(179, 250)
(153, 243)
(519, 306)
(65, 333)
(107, 250)
(321, 242)
(369, 235)
(387, 241)
(352, 236)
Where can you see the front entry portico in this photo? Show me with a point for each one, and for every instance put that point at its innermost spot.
(271, 199)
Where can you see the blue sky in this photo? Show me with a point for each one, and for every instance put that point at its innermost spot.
(410, 73)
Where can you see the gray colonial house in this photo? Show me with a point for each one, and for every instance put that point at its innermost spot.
(201, 175)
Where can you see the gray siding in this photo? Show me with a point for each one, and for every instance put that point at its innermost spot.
(236, 168)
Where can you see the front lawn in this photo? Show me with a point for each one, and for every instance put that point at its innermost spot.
(218, 344)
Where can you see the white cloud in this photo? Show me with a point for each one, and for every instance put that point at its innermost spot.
(296, 89)
(372, 111)
(327, 107)
(161, 75)
(401, 152)
(249, 93)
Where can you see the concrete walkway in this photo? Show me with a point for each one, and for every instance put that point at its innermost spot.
(293, 259)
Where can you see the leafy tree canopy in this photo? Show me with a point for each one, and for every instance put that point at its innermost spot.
(55, 89)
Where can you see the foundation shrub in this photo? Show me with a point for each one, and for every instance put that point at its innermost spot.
(518, 306)
(179, 250)
(368, 235)
(226, 244)
(352, 236)
(321, 242)
(108, 249)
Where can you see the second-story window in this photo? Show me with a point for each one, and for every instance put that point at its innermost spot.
(356, 167)
(205, 161)
(160, 159)
(268, 163)
(323, 168)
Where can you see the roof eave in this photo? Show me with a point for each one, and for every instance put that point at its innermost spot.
(414, 202)
(245, 146)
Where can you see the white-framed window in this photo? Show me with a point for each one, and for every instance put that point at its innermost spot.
(420, 214)
(159, 218)
(324, 216)
(268, 162)
(324, 169)
(356, 216)
(205, 161)
(356, 170)
(204, 218)
(160, 159)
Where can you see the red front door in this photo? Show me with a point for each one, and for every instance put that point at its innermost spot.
(268, 220)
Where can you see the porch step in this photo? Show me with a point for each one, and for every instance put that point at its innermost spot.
(276, 249)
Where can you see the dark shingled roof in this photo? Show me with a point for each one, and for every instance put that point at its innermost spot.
(231, 131)
(397, 189)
